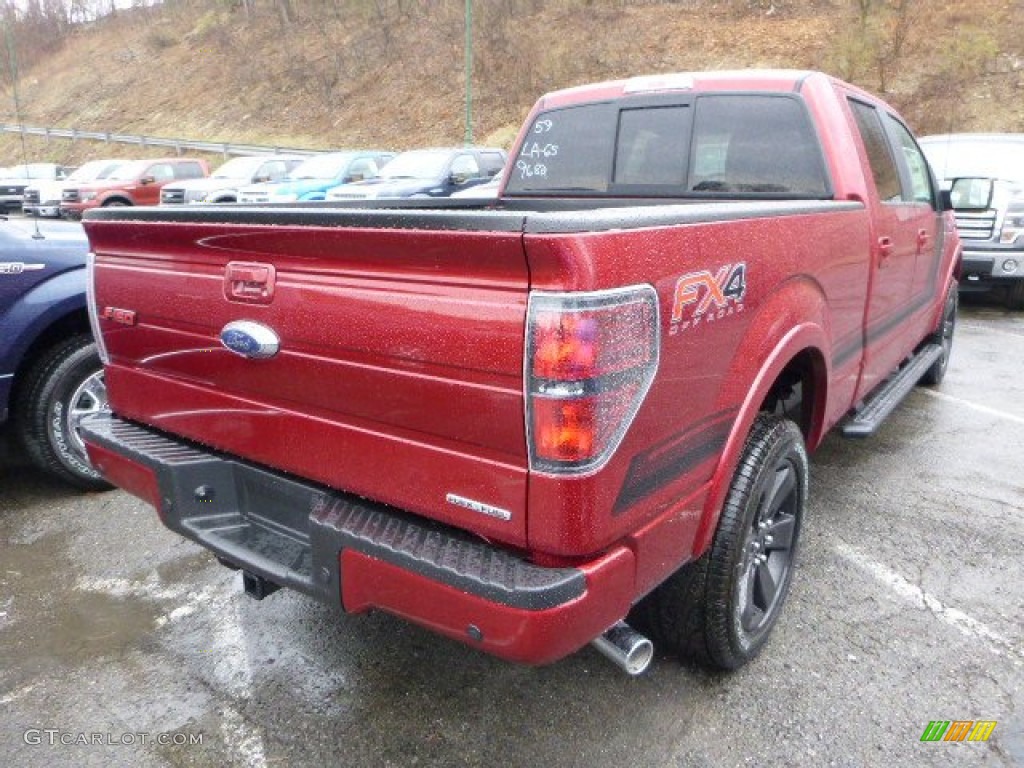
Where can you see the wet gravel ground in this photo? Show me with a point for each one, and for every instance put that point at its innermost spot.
(121, 643)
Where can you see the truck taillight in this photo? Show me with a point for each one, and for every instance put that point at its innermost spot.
(90, 301)
(590, 359)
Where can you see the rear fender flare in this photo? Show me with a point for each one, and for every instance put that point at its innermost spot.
(791, 322)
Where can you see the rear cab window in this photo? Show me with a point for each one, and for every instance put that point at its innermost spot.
(706, 145)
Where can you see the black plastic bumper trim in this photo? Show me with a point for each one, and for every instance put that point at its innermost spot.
(292, 532)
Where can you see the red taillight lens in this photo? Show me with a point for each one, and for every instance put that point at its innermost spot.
(571, 346)
(566, 346)
(564, 430)
(592, 357)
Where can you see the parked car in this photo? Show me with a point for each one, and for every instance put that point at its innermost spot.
(427, 173)
(223, 184)
(135, 183)
(50, 373)
(315, 175)
(14, 181)
(991, 222)
(43, 198)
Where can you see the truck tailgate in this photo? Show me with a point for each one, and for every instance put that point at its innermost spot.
(399, 370)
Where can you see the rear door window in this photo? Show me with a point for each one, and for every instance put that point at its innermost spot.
(188, 170)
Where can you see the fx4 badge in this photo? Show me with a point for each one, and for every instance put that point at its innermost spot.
(703, 297)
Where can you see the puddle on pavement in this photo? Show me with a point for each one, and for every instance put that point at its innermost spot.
(48, 619)
(92, 624)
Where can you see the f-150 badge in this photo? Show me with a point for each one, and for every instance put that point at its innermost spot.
(703, 297)
(249, 339)
(17, 267)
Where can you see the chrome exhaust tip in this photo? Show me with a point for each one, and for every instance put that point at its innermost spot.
(631, 651)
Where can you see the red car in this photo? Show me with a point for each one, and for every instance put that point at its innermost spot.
(135, 183)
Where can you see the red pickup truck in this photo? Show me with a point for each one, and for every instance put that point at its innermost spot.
(518, 423)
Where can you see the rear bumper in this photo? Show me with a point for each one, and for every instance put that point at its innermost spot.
(360, 555)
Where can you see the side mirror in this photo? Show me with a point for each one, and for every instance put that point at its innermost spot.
(262, 178)
(147, 180)
(971, 194)
(458, 178)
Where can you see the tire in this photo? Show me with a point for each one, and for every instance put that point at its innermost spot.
(63, 385)
(1015, 295)
(944, 337)
(720, 609)
(115, 203)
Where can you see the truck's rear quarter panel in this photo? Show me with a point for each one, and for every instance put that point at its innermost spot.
(400, 370)
(803, 262)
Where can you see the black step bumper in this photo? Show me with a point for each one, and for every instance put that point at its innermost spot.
(345, 550)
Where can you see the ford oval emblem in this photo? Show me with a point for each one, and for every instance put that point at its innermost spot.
(249, 339)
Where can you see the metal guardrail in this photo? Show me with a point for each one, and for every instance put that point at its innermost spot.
(224, 148)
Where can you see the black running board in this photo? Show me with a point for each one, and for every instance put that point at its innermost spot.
(879, 404)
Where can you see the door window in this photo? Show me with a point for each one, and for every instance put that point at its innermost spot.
(272, 169)
(465, 167)
(883, 166)
(362, 168)
(160, 172)
(920, 190)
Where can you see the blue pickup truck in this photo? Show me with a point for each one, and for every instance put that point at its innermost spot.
(50, 372)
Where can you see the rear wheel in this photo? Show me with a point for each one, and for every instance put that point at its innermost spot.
(64, 385)
(720, 609)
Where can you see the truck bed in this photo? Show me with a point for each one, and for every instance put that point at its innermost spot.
(400, 375)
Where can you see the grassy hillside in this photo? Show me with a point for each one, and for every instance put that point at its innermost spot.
(389, 73)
